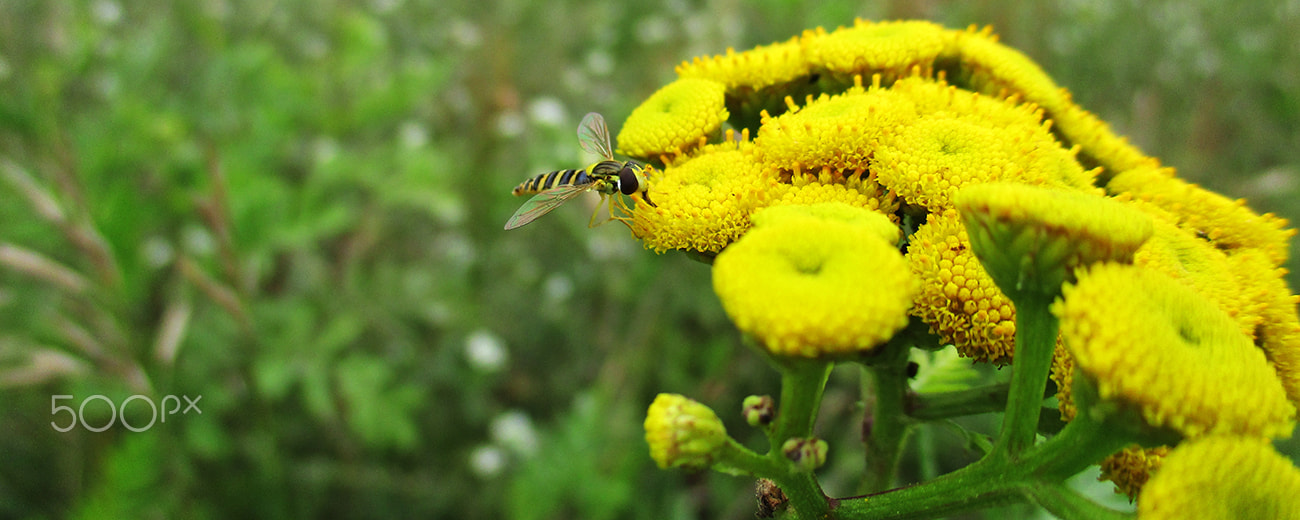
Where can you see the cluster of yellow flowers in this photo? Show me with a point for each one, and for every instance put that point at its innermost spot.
(871, 134)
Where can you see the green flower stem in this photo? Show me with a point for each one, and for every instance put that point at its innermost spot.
(1082, 443)
(946, 405)
(802, 384)
(1065, 504)
(735, 459)
(1036, 330)
(888, 423)
(980, 485)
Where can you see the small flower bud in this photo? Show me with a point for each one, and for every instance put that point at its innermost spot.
(806, 454)
(682, 432)
(759, 410)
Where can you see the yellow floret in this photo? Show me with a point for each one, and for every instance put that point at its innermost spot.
(1226, 223)
(704, 202)
(958, 299)
(755, 69)
(674, 119)
(927, 161)
(1278, 329)
(1130, 468)
(854, 188)
(1150, 343)
(813, 287)
(1222, 478)
(840, 132)
(1031, 238)
(889, 48)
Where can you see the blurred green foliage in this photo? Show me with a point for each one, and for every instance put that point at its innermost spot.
(293, 209)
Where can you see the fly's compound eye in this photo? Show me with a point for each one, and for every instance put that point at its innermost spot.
(627, 182)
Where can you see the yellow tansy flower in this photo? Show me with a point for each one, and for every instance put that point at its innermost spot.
(958, 299)
(1222, 478)
(1131, 467)
(1063, 375)
(813, 287)
(927, 161)
(890, 48)
(704, 202)
(853, 188)
(682, 432)
(674, 119)
(1152, 343)
(838, 131)
(1199, 265)
(1227, 223)
(752, 70)
(876, 221)
(1018, 122)
(1031, 238)
(993, 68)
(1278, 329)
(1098, 144)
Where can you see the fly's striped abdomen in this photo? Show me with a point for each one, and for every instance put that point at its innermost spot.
(547, 181)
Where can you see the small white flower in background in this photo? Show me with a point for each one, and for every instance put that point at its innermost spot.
(107, 12)
(514, 430)
(600, 63)
(466, 34)
(557, 288)
(654, 29)
(413, 135)
(485, 351)
(198, 241)
(510, 124)
(487, 461)
(157, 252)
(324, 149)
(547, 111)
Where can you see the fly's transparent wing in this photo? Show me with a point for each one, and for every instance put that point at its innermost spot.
(544, 202)
(593, 135)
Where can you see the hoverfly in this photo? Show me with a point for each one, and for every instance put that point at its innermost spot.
(607, 177)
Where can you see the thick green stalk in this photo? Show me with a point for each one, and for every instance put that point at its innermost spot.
(886, 430)
(802, 384)
(1036, 330)
(978, 486)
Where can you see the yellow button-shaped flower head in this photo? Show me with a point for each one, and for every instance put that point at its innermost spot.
(840, 132)
(755, 69)
(888, 48)
(1031, 238)
(1278, 329)
(1132, 467)
(1153, 345)
(1199, 265)
(958, 299)
(854, 189)
(683, 433)
(1227, 223)
(703, 203)
(1222, 478)
(813, 286)
(990, 67)
(833, 211)
(674, 119)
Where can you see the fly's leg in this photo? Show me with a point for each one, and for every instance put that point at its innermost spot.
(603, 199)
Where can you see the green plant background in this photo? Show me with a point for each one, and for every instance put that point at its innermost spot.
(293, 209)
